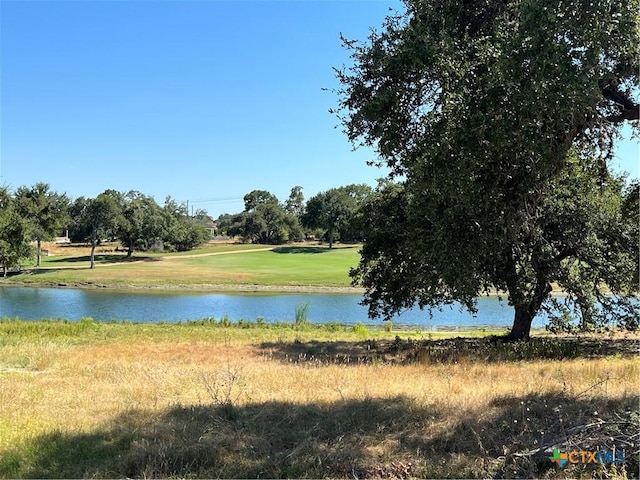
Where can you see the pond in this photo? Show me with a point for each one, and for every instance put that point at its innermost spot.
(105, 305)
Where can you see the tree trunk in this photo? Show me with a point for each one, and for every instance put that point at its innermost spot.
(525, 313)
(93, 248)
(130, 249)
(39, 252)
(330, 230)
(521, 328)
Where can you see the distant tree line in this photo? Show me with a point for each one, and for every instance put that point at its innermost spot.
(37, 214)
(329, 215)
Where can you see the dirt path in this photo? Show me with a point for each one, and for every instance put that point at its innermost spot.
(210, 254)
(199, 287)
(160, 258)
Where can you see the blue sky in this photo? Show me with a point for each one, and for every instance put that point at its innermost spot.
(201, 100)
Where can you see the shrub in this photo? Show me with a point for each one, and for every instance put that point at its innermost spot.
(360, 329)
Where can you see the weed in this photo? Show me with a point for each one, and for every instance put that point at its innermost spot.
(360, 329)
(225, 321)
(225, 389)
(301, 313)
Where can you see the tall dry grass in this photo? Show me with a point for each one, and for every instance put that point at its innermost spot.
(168, 402)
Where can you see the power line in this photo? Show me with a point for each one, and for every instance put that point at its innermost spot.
(217, 200)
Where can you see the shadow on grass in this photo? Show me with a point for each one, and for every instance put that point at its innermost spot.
(102, 258)
(390, 438)
(448, 351)
(311, 249)
(307, 250)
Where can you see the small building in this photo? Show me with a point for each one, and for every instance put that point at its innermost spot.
(213, 228)
(62, 239)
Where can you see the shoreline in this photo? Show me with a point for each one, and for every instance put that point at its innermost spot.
(195, 288)
(223, 288)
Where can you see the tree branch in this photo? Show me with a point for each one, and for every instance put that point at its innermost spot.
(629, 109)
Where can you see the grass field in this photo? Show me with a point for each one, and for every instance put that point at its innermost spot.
(208, 400)
(205, 399)
(219, 265)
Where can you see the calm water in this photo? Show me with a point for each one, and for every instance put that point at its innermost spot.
(105, 305)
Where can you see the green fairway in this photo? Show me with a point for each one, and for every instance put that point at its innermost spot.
(283, 266)
(229, 265)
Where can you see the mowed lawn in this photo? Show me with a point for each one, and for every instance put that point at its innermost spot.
(307, 266)
(282, 266)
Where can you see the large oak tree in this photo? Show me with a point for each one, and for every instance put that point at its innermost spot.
(481, 109)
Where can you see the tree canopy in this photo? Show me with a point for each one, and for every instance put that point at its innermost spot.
(265, 220)
(332, 211)
(585, 240)
(140, 222)
(15, 233)
(97, 217)
(44, 209)
(483, 110)
(180, 232)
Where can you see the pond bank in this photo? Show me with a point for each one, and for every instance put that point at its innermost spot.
(206, 288)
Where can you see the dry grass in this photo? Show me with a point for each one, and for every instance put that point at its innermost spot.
(139, 402)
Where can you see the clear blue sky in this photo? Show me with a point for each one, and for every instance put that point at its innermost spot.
(200, 100)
